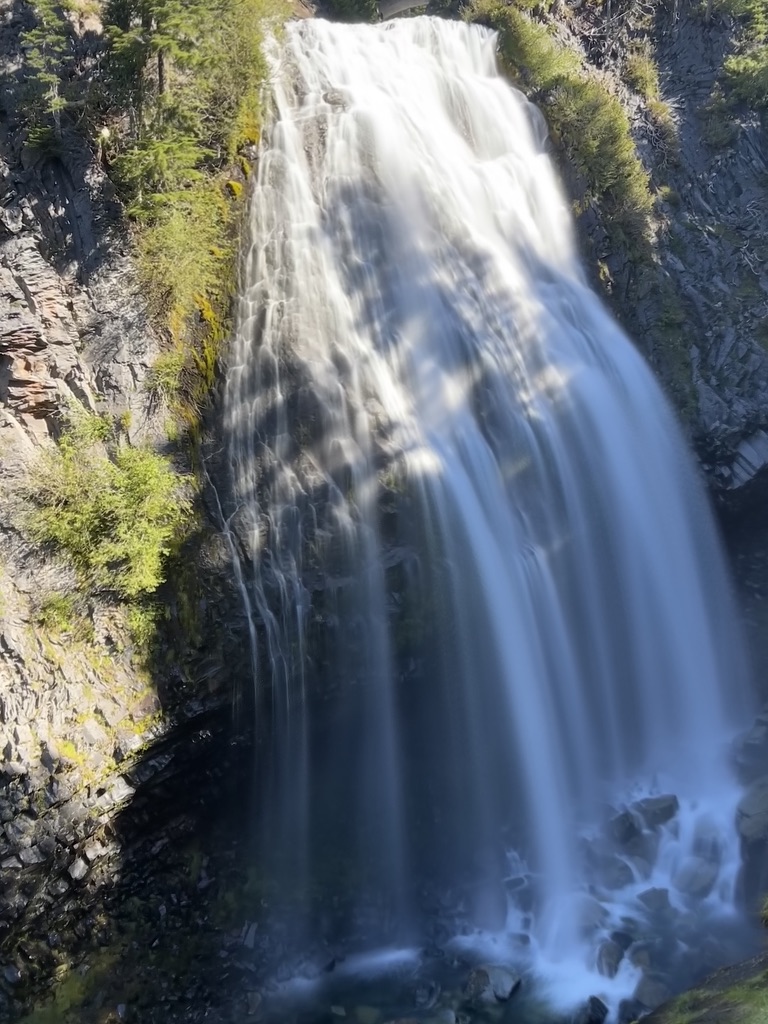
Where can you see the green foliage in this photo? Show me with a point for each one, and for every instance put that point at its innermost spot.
(143, 618)
(114, 514)
(46, 61)
(747, 75)
(354, 10)
(587, 122)
(641, 73)
(165, 377)
(718, 127)
(746, 72)
(56, 612)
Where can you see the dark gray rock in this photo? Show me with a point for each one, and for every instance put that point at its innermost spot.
(655, 899)
(609, 956)
(657, 810)
(594, 1011)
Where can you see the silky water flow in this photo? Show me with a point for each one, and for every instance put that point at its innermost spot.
(488, 607)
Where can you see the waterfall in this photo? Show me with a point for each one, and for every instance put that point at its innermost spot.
(487, 593)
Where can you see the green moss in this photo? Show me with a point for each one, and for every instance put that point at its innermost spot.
(235, 189)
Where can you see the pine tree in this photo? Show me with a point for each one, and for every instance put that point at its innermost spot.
(48, 52)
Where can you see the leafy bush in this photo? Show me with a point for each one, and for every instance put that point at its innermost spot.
(587, 122)
(115, 515)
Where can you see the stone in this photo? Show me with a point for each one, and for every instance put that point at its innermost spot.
(625, 827)
(491, 983)
(338, 1011)
(630, 1010)
(78, 869)
(253, 1001)
(12, 974)
(426, 995)
(594, 1011)
(651, 992)
(655, 899)
(657, 810)
(752, 812)
(504, 982)
(696, 877)
(623, 939)
(32, 855)
(609, 956)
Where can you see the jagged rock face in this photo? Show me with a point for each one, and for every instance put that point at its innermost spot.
(73, 323)
(699, 313)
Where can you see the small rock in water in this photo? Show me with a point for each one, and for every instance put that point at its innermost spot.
(657, 810)
(338, 1011)
(478, 987)
(609, 956)
(640, 956)
(254, 1003)
(656, 900)
(651, 992)
(594, 1011)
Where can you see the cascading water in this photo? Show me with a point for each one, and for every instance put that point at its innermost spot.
(488, 594)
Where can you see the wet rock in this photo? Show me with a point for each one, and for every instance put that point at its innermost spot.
(491, 983)
(623, 939)
(651, 992)
(657, 810)
(594, 1011)
(696, 877)
(752, 812)
(630, 1010)
(609, 956)
(655, 899)
(12, 974)
(625, 828)
(253, 1002)
(640, 956)
(427, 995)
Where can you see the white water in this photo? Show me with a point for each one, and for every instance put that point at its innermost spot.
(415, 330)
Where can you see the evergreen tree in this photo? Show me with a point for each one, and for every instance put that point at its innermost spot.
(48, 52)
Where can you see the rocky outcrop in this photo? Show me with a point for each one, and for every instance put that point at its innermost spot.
(698, 309)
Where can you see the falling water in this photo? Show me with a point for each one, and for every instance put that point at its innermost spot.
(488, 595)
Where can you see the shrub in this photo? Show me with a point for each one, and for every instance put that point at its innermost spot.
(114, 516)
(747, 76)
(641, 74)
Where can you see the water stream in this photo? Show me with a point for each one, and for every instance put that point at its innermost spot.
(489, 607)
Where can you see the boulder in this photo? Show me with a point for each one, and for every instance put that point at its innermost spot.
(696, 877)
(609, 956)
(594, 1011)
(491, 983)
(657, 810)
(651, 992)
(655, 899)
(752, 812)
